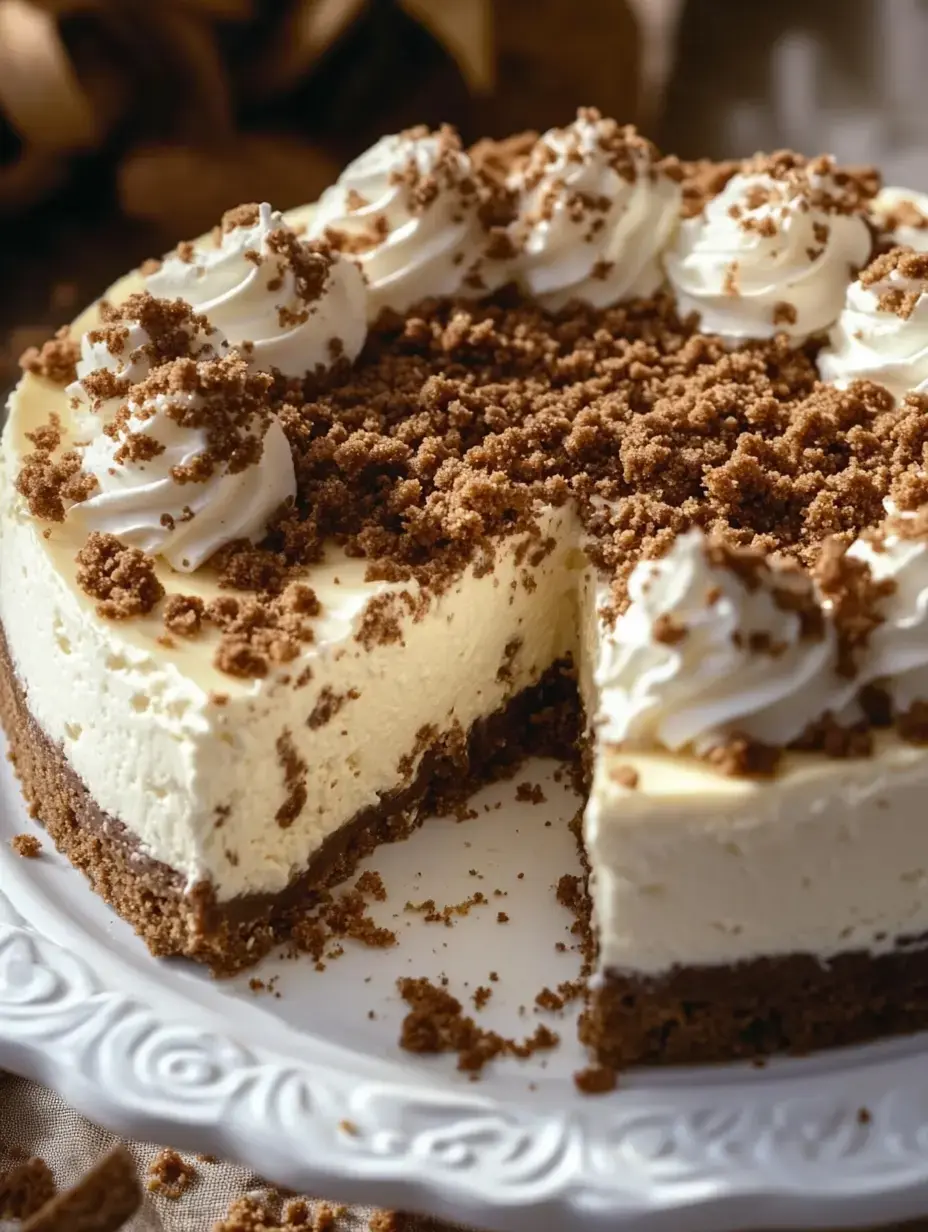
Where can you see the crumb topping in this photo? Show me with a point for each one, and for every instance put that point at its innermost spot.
(909, 265)
(48, 479)
(122, 578)
(55, 360)
(27, 846)
(436, 1023)
(170, 1175)
(219, 397)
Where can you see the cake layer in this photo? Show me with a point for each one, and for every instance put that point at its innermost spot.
(692, 867)
(175, 919)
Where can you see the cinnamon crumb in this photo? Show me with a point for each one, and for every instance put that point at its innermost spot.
(27, 846)
(169, 1175)
(123, 579)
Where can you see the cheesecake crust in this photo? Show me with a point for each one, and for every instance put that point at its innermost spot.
(231, 936)
(793, 1003)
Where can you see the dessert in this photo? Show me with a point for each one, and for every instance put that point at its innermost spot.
(558, 446)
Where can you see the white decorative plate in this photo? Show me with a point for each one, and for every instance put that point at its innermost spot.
(315, 1094)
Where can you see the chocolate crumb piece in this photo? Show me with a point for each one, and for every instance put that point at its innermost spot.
(437, 1023)
(864, 1116)
(55, 360)
(123, 579)
(170, 1175)
(27, 846)
(530, 793)
(295, 770)
(481, 996)
(106, 1198)
(49, 479)
(547, 999)
(502, 917)
(183, 614)
(25, 1188)
(595, 1080)
(371, 882)
(785, 313)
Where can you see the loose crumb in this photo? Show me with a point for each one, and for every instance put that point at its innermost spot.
(27, 846)
(170, 1175)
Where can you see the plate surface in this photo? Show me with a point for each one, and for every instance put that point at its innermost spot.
(313, 1092)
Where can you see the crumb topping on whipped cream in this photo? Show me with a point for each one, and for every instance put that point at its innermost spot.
(408, 212)
(286, 304)
(596, 207)
(773, 250)
(882, 332)
(132, 339)
(192, 460)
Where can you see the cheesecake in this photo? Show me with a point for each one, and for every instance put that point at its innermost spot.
(558, 446)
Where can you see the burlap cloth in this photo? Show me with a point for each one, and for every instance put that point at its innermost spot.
(36, 1121)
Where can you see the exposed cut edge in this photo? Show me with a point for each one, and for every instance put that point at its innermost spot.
(791, 1003)
(231, 936)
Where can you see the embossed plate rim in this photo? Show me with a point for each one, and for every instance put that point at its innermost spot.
(710, 1149)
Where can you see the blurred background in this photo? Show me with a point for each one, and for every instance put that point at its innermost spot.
(126, 125)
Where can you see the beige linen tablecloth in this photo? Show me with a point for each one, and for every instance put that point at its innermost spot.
(34, 1121)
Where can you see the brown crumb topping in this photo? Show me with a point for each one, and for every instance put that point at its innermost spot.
(596, 1080)
(50, 480)
(123, 579)
(170, 1175)
(909, 265)
(183, 615)
(55, 360)
(27, 846)
(25, 1188)
(437, 1023)
(219, 397)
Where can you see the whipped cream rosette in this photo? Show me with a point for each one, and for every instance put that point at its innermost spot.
(596, 208)
(896, 651)
(714, 642)
(138, 335)
(407, 211)
(192, 460)
(882, 332)
(284, 303)
(773, 251)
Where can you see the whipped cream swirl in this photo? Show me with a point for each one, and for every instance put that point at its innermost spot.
(596, 210)
(192, 461)
(771, 253)
(714, 643)
(882, 333)
(896, 652)
(902, 217)
(135, 337)
(407, 212)
(285, 304)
